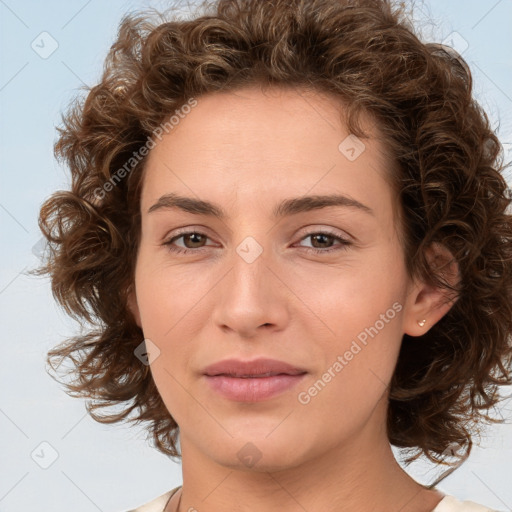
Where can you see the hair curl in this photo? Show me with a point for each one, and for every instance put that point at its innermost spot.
(447, 174)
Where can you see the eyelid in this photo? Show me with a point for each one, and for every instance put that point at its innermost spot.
(315, 228)
(187, 229)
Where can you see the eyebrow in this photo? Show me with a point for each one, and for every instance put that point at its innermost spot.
(287, 207)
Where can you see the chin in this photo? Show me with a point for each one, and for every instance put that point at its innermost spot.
(258, 449)
(251, 459)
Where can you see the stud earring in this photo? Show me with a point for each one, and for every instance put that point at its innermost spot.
(422, 323)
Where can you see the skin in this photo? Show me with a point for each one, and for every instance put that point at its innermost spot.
(246, 151)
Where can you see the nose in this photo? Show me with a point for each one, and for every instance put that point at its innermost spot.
(251, 296)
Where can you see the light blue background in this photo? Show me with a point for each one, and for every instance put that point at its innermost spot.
(112, 468)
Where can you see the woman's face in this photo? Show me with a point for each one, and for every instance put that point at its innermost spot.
(323, 289)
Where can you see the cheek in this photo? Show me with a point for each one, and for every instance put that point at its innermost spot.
(349, 297)
(169, 296)
(359, 364)
(172, 316)
(358, 317)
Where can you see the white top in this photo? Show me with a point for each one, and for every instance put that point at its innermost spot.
(447, 504)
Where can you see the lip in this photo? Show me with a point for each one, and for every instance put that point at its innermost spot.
(252, 381)
(260, 366)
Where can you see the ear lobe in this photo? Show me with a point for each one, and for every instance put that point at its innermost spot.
(429, 303)
(133, 306)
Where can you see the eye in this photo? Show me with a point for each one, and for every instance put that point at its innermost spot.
(322, 238)
(195, 237)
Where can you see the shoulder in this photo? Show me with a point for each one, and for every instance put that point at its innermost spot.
(452, 504)
(157, 504)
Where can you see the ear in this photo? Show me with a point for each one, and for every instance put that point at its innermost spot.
(427, 302)
(133, 305)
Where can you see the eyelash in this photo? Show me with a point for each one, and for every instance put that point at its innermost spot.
(344, 243)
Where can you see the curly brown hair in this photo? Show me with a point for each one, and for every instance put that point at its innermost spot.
(447, 175)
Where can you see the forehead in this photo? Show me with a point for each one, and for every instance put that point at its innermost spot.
(274, 118)
(282, 140)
